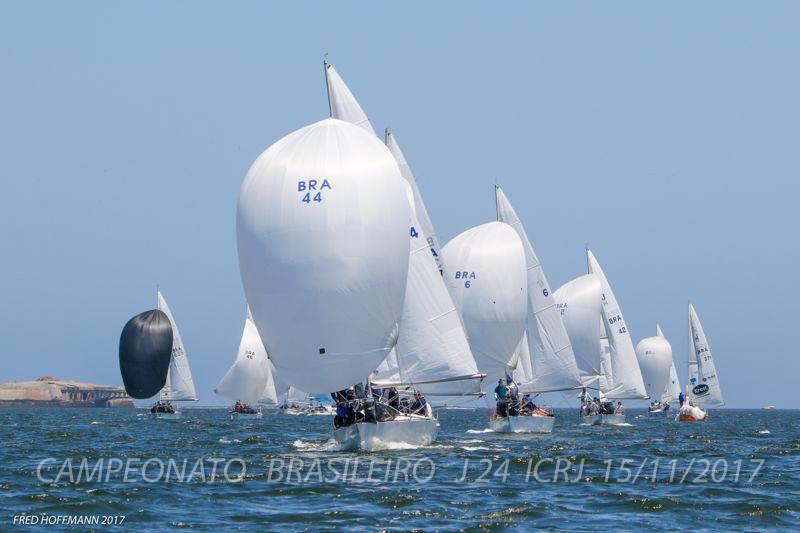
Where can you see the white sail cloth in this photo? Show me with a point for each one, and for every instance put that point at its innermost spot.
(422, 212)
(626, 379)
(655, 358)
(274, 389)
(704, 386)
(580, 303)
(487, 278)
(552, 358)
(179, 385)
(342, 103)
(673, 388)
(246, 380)
(322, 224)
(432, 352)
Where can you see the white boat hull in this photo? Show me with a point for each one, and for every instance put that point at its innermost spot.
(689, 413)
(404, 431)
(603, 420)
(523, 424)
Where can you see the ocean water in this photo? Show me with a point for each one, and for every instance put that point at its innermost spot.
(740, 471)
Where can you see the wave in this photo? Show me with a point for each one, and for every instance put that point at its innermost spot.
(479, 431)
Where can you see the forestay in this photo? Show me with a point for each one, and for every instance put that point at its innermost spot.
(487, 278)
(625, 380)
(179, 385)
(580, 304)
(552, 358)
(322, 231)
(703, 380)
(247, 378)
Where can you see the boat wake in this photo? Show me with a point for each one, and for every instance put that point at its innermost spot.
(478, 431)
(765, 432)
(329, 445)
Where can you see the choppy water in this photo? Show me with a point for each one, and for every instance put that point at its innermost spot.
(604, 492)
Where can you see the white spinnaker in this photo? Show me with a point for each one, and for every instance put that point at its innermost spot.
(552, 358)
(343, 104)
(655, 357)
(627, 382)
(432, 352)
(580, 303)
(322, 226)
(673, 388)
(701, 366)
(179, 385)
(422, 212)
(487, 278)
(246, 380)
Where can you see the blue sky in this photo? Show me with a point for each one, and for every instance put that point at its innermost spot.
(664, 136)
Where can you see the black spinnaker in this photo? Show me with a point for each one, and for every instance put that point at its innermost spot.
(145, 348)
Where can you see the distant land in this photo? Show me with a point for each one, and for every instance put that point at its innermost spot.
(48, 391)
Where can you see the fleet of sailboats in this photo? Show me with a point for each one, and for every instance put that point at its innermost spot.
(349, 289)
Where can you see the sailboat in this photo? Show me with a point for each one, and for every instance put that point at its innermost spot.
(245, 381)
(619, 374)
(432, 355)
(274, 388)
(179, 386)
(703, 386)
(487, 276)
(322, 232)
(549, 350)
(655, 360)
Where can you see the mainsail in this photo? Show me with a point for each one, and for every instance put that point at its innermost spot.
(552, 358)
(626, 379)
(179, 386)
(580, 303)
(322, 224)
(432, 352)
(703, 380)
(422, 212)
(487, 278)
(145, 350)
(673, 388)
(342, 104)
(247, 378)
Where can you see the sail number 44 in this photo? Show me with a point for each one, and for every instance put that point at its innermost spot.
(311, 189)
